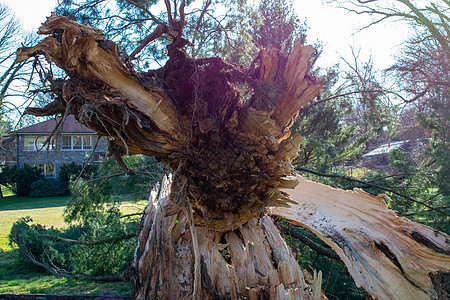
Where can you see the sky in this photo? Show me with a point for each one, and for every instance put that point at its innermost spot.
(339, 30)
(334, 27)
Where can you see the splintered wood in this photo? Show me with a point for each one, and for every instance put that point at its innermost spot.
(86, 51)
(252, 261)
(115, 95)
(389, 256)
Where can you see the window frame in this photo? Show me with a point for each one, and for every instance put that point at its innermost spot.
(82, 137)
(44, 167)
(36, 140)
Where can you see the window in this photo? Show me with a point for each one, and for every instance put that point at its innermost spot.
(47, 169)
(34, 143)
(87, 142)
(77, 142)
(40, 141)
(67, 142)
(29, 143)
(39, 167)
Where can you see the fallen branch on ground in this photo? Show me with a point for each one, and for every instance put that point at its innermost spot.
(80, 242)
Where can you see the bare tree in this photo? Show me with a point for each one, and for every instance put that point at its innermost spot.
(432, 15)
(17, 86)
(421, 73)
(9, 29)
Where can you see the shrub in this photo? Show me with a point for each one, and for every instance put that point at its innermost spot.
(105, 257)
(73, 170)
(49, 187)
(20, 180)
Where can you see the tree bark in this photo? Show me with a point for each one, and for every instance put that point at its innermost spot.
(207, 235)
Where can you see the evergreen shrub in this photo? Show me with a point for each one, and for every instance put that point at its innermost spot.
(48, 187)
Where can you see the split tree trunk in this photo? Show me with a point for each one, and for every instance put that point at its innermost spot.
(208, 235)
(252, 261)
(389, 256)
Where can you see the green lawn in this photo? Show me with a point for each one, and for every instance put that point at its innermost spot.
(20, 276)
(46, 211)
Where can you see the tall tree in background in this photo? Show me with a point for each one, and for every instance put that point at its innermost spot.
(8, 30)
(423, 70)
(206, 234)
(422, 80)
(352, 109)
(277, 25)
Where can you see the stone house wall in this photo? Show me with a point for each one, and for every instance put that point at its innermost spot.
(58, 156)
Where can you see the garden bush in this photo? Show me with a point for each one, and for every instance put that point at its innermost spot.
(48, 187)
(73, 170)
(20, 180)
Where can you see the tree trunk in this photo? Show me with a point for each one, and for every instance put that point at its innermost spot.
(207, 234)
(176, 259)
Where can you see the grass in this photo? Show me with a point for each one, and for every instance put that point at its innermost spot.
(17, 275)
(6, 191)
(46, 211)
(36, 283)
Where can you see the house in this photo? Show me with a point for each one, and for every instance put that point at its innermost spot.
(380, 155)
(384, 149)
(76, 144)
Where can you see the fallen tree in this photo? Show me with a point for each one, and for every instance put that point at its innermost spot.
(206, 234)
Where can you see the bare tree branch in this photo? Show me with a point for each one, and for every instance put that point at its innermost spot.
(159, 30)
(342, 95)
(169, 12)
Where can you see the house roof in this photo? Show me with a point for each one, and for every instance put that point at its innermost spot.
(71, 125)
(385, 148)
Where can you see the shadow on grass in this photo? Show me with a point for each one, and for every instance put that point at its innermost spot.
(63, 286)
(13, 265)
(19, 203)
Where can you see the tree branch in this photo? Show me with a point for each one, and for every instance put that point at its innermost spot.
(159, 30)
(80, 242)
(343, 95)
(422, 20)
(169, 12)
(89, 158)
(143, 8)
(200, 19)
(394, 175)
(64, 273)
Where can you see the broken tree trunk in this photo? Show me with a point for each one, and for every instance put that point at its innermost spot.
(389, 256)
(207, 235)
(252, 261)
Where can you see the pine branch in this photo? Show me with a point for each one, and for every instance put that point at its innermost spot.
(80, 242)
